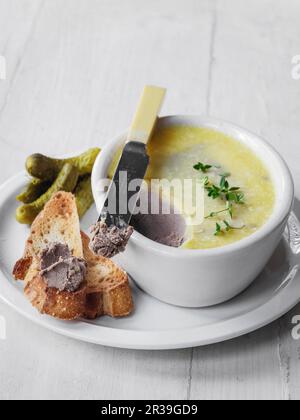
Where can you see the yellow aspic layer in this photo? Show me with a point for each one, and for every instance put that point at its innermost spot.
(175, 150)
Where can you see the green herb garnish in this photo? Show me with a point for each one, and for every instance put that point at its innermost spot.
(218, 229)
(224, 191)
(228, 209)
(227, 228)
(202, 167)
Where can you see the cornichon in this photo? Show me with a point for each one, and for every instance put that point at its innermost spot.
(46, 168)
(83, 195)
(65, 181)
(34, 189)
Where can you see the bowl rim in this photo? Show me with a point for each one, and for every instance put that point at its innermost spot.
(284, 205)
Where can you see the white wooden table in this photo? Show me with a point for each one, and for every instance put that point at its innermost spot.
(75, 69)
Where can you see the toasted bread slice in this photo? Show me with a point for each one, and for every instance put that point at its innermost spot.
(62, 305)
(58, 222)
(108, 289)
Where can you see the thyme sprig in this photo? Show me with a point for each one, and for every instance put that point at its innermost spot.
(224, 191)
(227, 228)
(229, 209)
(202, 167)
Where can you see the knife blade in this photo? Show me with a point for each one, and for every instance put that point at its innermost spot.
(134, 161)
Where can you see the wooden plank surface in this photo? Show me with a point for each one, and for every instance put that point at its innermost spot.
(75, 70)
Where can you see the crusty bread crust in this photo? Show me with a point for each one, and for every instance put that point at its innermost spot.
(22, 267)
(108, 289)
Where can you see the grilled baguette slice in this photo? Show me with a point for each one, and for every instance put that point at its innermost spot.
(58, 222)
(108, 289)
(63, 305)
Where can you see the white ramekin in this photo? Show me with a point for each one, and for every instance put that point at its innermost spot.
(199, 278)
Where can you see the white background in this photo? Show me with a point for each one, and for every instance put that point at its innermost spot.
(75, 69)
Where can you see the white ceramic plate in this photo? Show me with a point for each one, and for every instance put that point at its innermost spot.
(155, 325)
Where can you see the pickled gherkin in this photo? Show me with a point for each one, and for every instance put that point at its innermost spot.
(46, 168)
(33, 190)
(65, 181)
